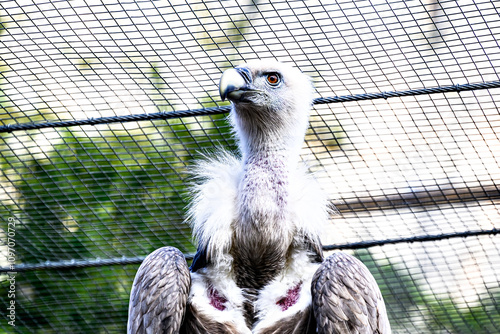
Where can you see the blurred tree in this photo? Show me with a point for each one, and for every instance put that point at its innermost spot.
(482, 316)
(93, 198)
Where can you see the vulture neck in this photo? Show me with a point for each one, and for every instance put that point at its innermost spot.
(264, 195)
(264, 230)
(288, 156)
(269, 158)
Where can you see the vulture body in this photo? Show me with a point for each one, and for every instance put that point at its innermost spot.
(258, 220)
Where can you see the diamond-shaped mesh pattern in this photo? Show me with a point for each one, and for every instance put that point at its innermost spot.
(94, 152)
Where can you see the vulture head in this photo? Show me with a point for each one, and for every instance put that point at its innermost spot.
(271, 105)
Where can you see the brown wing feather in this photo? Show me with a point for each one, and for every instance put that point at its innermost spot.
(159, 293)
(347, 299)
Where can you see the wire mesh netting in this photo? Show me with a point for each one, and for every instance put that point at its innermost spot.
(104, 105)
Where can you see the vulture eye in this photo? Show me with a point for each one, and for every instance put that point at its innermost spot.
(273, 79)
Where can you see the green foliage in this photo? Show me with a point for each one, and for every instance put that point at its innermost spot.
(482, 316)
(89, 198)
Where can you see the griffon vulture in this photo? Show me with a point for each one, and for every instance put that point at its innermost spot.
(258, 221)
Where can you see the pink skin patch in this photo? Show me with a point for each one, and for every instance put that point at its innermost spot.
(216, 300)
(292, 295)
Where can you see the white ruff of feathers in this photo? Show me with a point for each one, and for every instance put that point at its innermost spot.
(213, 209)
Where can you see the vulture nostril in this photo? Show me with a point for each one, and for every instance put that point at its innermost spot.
(245, 73)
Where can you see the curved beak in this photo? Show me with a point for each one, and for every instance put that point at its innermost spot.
(233, 83)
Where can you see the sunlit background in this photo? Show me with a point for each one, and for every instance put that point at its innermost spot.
(106, 195)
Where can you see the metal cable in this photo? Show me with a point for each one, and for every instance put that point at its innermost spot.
(225, 109)
(58, 265)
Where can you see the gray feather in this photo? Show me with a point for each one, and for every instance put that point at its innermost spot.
(159, 293)
(346, 298)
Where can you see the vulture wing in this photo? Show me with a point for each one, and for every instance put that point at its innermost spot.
(346, 298)
(159, 293)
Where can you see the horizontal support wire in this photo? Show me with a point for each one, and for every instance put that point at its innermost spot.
(421, 238)
(224, 109)
(72, 264)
